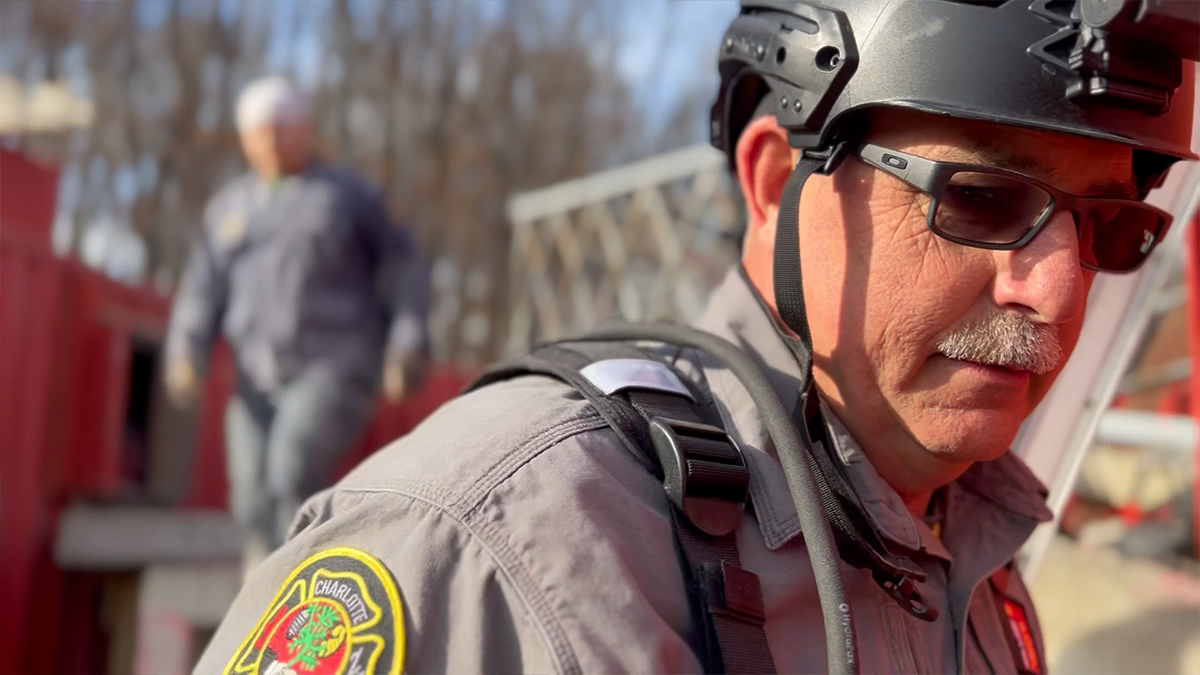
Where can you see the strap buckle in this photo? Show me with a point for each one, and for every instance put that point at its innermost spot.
(905, 592)
(705, 473)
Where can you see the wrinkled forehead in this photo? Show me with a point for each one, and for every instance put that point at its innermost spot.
(1083, 166)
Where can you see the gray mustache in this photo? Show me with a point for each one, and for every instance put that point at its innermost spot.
(1009, 340)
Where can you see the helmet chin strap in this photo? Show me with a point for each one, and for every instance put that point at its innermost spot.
(858, 540)
(789, 289)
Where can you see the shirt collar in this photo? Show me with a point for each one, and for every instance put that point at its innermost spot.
(268, 189)
(737, 313)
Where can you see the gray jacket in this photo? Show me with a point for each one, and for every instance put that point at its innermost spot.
(310, 269)
(522, 536)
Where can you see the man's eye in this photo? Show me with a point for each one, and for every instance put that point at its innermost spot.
(979, 196)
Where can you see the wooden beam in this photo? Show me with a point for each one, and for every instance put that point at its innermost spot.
(96, 538)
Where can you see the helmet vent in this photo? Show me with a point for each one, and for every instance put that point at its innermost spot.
(1055, 49)
(1055, 11)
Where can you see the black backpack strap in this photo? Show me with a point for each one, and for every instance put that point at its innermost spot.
(727, 602)
(664, 421)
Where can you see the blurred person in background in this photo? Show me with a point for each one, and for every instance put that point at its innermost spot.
(320, 296)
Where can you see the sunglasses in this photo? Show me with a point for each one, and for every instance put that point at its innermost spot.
(1003, 210)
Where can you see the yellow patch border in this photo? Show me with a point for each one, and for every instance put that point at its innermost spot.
(290, 585)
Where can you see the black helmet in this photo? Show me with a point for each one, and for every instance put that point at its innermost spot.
(1118, 70)
(1038, 65)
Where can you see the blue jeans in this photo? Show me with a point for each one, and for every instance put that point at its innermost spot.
(282, 448)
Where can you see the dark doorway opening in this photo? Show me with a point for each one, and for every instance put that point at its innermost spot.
(135, 441)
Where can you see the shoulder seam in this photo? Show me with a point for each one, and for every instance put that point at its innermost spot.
(510, 463)
(489, 536)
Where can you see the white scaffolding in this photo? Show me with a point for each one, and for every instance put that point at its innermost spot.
(643, 242)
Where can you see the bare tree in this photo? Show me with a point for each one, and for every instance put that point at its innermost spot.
(450, 107)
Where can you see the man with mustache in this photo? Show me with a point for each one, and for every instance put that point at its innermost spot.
(926, 211)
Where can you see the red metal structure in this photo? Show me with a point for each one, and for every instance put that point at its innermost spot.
(82, 418)
(1192, 272)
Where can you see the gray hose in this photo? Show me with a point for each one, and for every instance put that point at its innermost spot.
(790, 446)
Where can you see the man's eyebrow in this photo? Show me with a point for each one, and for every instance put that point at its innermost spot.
(1006, 159)
(989, 153)
(993, 155)
(1116, 189)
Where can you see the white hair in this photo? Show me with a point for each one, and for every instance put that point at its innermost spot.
(270, 100)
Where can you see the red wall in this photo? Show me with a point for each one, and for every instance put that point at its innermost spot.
(29, 284)
(65, 345)
(1192, 279)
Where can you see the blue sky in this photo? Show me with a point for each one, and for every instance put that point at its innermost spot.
(692, 31)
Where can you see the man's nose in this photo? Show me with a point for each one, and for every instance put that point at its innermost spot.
(1044, 278)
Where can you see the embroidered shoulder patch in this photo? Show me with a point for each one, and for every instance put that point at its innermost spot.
(338, 613)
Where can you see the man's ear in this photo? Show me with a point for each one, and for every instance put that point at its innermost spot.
(764, 162)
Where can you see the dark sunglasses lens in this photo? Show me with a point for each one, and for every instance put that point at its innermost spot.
(1117, 236)
(988, 208)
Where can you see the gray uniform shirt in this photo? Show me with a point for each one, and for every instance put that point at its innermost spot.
(524, 537)
(308, 270)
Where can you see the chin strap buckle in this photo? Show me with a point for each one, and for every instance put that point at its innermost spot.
(905, 592)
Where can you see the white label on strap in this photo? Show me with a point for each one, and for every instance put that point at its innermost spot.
(616, 375)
